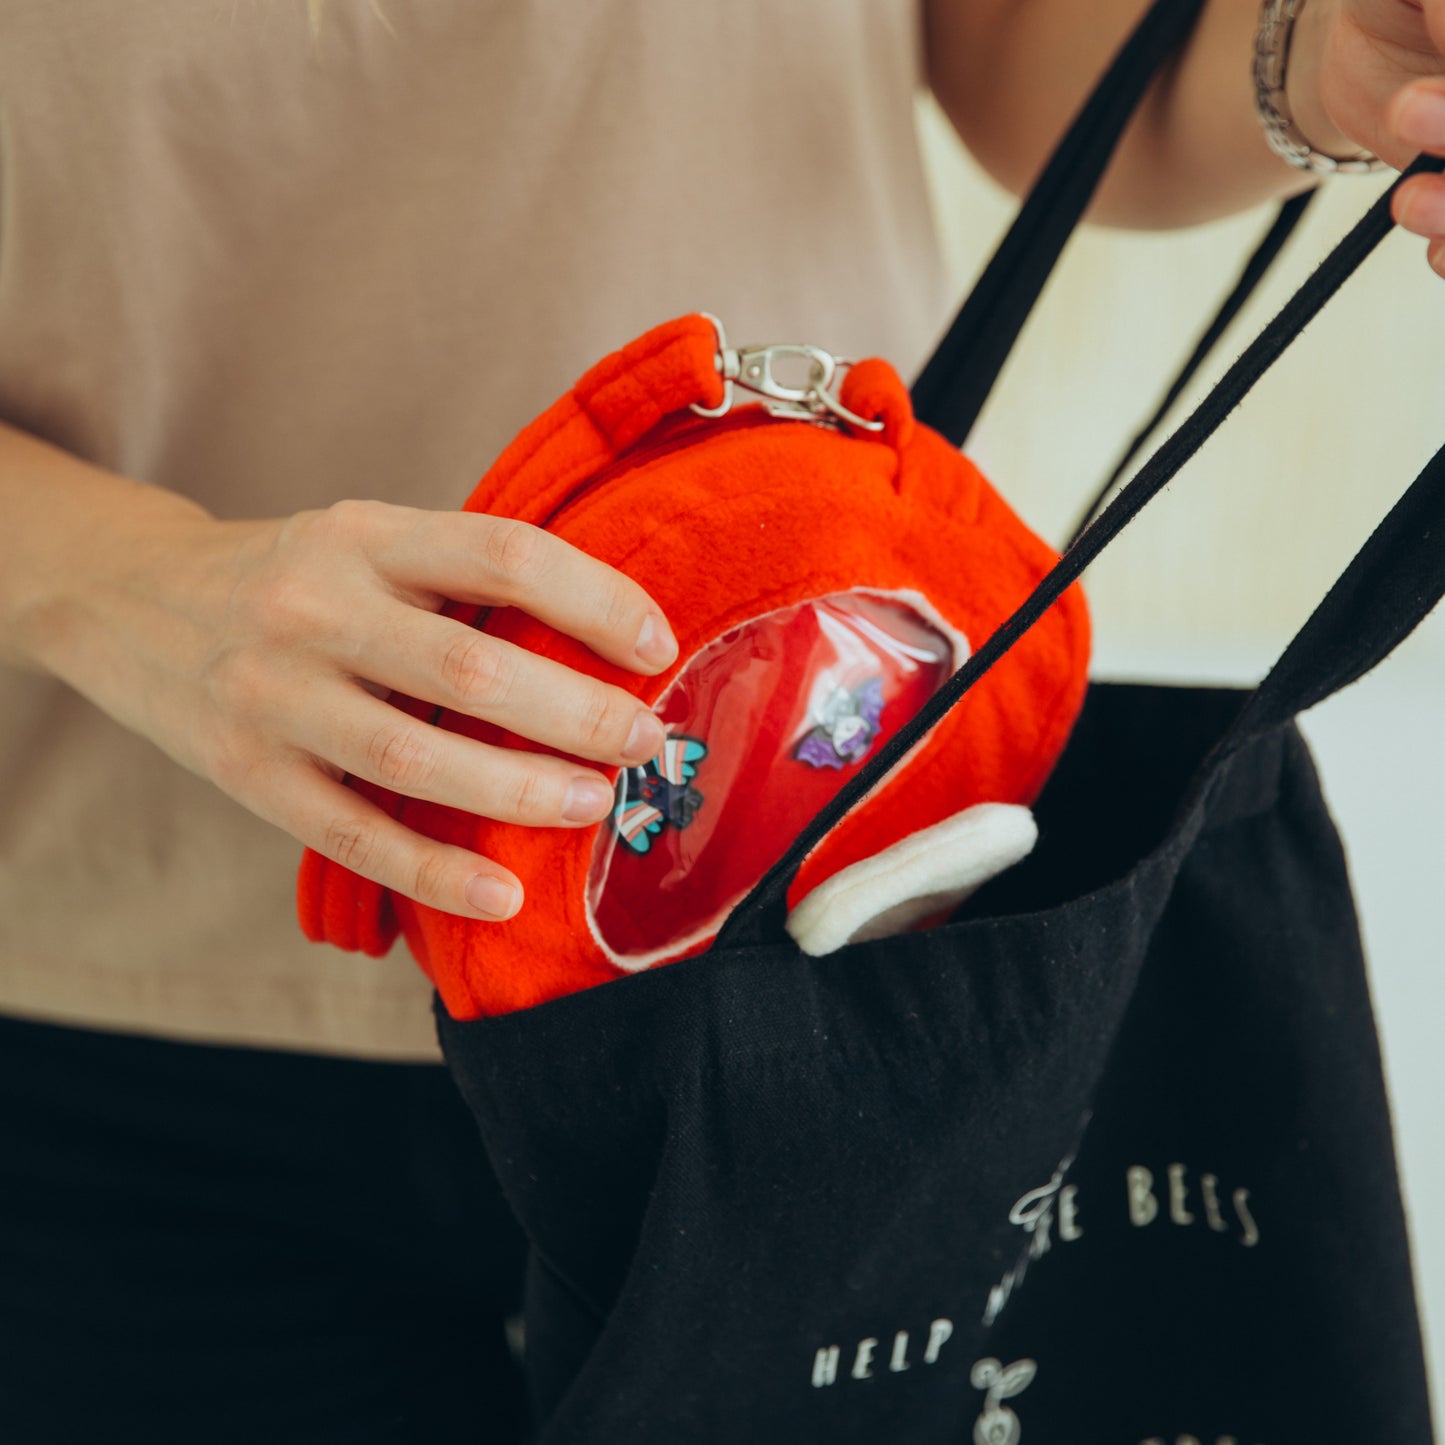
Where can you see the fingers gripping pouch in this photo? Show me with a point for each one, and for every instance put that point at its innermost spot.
(825, 563)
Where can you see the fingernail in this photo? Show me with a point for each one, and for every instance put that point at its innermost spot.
(494, 897)
(646, 738)
(1421, 118)
(587, 800)
(655, 643)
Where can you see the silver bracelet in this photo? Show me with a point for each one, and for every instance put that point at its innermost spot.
(1271, 66)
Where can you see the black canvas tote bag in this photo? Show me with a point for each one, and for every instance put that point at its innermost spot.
(1107, 1157)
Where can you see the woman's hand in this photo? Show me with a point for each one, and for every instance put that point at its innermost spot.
(1378, 83)
(258, 653)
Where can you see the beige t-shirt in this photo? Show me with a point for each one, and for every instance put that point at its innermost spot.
(271, 269)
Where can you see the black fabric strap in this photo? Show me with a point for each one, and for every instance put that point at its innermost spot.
(1349, 645)
(1398, 576)
(1282, 228)
(955, 383)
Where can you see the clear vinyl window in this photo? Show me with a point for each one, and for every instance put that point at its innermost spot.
(764, 725)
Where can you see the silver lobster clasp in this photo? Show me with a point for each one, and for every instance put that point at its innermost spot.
(809, 398)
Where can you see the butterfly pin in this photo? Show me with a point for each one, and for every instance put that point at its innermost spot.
(847, 725)
(659, 793)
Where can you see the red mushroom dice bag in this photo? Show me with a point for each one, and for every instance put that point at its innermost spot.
(826, 563)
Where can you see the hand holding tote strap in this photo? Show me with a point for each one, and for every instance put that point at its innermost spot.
(1390, 586)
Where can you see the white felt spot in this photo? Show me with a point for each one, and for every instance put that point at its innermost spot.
(925, 873)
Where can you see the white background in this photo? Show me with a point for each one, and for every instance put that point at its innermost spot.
(1221, 570)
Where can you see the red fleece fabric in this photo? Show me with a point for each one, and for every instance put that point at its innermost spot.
(723, 522)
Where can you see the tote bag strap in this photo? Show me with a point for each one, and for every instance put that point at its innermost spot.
(954, 384)
(1396, 579)
(1398, 576)
(1261, 258)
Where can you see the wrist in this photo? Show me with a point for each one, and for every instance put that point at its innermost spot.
(70, 525)
(1312, 28)
(1292, 46)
